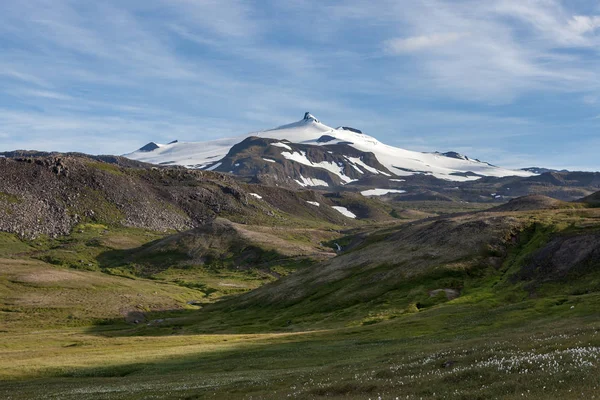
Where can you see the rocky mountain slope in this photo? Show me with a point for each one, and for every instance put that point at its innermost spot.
(275, 162)
(52, 194)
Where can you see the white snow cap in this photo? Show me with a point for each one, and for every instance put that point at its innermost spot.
(309, 130)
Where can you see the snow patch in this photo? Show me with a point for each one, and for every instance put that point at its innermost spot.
(334, 168)
(344, 211)
(380, 192)
(279, 144)
(258, 196)
(360, 162)
(269, 160)
(314, 203)
(398, 180)
(217, 165)
(310, 182)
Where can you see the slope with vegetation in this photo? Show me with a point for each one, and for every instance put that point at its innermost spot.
(271, 296)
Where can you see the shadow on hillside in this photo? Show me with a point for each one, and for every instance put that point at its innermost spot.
(189, 249)
(147, 263)
(154, 323)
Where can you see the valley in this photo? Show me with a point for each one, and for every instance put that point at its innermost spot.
(299, 200)
(305, 269)
(256, 292)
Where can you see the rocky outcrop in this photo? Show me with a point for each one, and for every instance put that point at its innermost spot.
(454, 154)
(309, 117)
(49, 195)
(149, 147)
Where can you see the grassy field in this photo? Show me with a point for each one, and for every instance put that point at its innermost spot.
(70, 330)
(531, 350)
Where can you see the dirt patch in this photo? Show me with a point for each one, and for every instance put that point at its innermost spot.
(48, 277)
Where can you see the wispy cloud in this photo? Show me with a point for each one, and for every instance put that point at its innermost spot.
(416, 43)
(516, 48)
(582, 24)
(44, 94)
(431, 74)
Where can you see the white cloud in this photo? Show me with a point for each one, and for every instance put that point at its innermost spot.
(515, 48)
(189, 69)
(417, 43)
(225, 18)
(582, 24)
(44, 94)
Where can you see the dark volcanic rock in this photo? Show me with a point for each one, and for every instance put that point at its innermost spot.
(454, 154)
(347, 128)
(149, 147)
(325, 139)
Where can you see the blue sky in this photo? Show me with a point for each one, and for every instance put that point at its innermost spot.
(512, 82)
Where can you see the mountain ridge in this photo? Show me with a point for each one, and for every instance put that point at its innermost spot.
(310, 131)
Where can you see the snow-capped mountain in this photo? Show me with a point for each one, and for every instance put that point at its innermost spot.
(346, 153)
(281, 162)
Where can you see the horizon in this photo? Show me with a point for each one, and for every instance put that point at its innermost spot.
(512, 84)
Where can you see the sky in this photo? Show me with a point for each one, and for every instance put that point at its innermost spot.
(512, 82)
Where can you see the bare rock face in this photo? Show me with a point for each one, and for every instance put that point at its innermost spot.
(50, 195)
(149, 147)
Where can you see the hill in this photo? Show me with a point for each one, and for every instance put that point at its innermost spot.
(389, 272)
(593, 199)
(52, 194)
(531, 203)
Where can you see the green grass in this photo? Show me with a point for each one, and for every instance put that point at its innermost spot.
(9, 198)
(114, 250)
(64, 335)
(87, 242)
(443, 207)
(10, 245)
(535, 350)
(110, 168)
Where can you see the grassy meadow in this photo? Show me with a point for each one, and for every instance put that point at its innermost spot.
(76, 323)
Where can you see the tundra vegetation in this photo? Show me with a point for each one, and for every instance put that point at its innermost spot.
(461, 304)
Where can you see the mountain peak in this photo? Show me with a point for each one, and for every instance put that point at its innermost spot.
(309, 117)
(149, 147)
